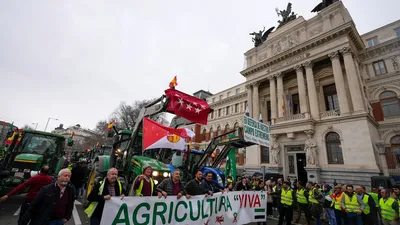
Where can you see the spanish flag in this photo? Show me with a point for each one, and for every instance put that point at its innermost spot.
(72, 135)
(173, 83)
(283, 105)
(10, 139)
(110, 125)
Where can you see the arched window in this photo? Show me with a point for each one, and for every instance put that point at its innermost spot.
(226, 128)
(211, 133)
(236, 126)
(393, 153)
(218, 130)
(204, 134)
(334, 148)
(390, 104)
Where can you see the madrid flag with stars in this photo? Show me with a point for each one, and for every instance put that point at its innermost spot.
(156, 135)
(187, 106)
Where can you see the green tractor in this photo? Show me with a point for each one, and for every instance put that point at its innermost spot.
(129, 167)
(28, 151)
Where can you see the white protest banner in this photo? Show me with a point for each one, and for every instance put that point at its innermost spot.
(255, 131)
(220, 209)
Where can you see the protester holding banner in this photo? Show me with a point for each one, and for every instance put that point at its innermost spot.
(288, 198)
(103, 191)
(172, 186)
(144, 184)
(195, 186)
(209, 184)
(242, 185)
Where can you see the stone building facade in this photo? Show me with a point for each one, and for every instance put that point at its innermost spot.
(329, 94)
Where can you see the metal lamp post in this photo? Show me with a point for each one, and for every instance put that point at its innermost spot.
(48, 122)
(36, 124)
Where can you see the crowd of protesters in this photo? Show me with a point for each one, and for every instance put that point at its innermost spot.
(322, 203)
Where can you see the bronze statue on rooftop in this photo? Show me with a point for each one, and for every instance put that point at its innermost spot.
(287, 15)
(261, 36)
(323, 5)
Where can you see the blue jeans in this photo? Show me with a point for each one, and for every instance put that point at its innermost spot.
(331, 216)
(340, 216)
(56, 222)
(352, 216)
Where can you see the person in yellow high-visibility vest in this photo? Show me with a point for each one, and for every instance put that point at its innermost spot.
(370, 210)
(144, 184)
(302, 202)
(353, 206)
(337, 204)
(389, 208)
(110, 186)
(288, 198)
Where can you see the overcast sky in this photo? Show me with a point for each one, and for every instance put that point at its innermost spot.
(76, 60)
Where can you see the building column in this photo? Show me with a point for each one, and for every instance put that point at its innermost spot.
(249, 99)
(302, 89)
(382, 157)
(312, 90)
(272, 93)
(352, 77)
(279, 78)
(339, 83)
(256, 100)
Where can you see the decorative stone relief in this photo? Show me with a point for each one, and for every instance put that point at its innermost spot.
(315, 31)
(293, 40)
(334, 55)
(345, 50)
(298, 68)
(308, 64)
(395, 62)
(256, 83)
(310, 147)
(248, 86)
(275, 150)
(277, 75)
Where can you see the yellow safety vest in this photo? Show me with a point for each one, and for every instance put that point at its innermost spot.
(300, 196)
(365, 199)
(70, 167)
(311, 197)
(351, 204)
(387, 211)
(338, 201)
(375, 197)
(139, 190)
(90, 209)
(286, 197)
(274, 188)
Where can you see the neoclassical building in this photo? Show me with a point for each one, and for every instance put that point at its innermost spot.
(330, 96)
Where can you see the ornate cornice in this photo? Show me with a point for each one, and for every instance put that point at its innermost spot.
(382, 48)
(256, 84)
(228, 100)
(334, 55)
(302, 48)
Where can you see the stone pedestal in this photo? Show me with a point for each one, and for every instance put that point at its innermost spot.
(274, 169)
(313, 173)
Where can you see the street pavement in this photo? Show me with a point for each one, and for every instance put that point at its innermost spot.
(9, 213)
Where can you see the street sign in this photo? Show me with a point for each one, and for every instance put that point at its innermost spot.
(255, 131)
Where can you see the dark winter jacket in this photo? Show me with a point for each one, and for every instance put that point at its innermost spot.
(195, 187)
(42, 207)
(95, 197)
(167, 186)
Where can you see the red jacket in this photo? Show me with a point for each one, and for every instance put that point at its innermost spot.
(34, 183)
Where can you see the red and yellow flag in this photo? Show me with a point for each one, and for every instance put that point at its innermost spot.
(10, 139)
(283, 106)
(72, 135)
(173, 83)
(110, 125)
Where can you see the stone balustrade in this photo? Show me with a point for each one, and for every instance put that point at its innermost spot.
(298, 116)
(330, 113)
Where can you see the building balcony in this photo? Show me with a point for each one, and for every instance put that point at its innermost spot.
(330, 114)
(288, 118)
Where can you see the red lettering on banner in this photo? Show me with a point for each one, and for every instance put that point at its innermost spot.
(257, 202)
(252, 200)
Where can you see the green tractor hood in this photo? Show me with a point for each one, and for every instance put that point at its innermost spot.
(155, 164)
(29, 158)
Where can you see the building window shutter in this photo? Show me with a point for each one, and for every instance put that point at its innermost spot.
(377, 110)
